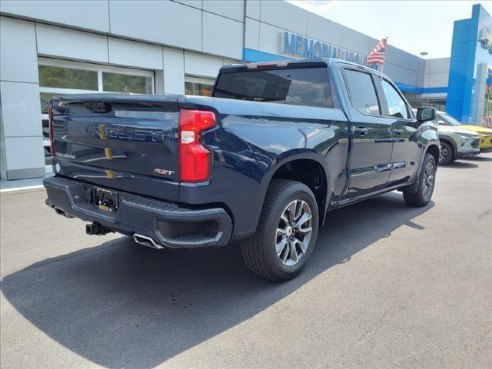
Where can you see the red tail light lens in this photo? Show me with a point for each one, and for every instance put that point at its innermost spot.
(194, 158)
(52, 138)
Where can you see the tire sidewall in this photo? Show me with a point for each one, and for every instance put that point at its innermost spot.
(428, 158)
(297, 191)
(449, 157)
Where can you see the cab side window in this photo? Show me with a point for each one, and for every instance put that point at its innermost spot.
(396, 106)
(362, 92)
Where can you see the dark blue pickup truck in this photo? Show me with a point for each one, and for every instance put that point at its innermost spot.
(261, 162)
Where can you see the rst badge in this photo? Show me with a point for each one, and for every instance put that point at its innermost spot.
(164, 172)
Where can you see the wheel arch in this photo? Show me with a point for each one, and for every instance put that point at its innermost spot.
(308, 168)
(451, 143)
(434, 150)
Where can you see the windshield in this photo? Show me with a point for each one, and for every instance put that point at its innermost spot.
(448, 119)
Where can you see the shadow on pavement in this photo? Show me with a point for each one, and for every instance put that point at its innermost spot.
(480, 158)
(123, 305)
(461, 164)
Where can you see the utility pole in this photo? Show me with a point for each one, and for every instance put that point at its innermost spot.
(422, 54)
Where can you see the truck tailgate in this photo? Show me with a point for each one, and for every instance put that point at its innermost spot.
(119, 141)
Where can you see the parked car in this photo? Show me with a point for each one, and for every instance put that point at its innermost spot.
(261, 162)
(456, 142)
(484, 133)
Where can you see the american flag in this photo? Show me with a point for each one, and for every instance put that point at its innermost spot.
(377, 54)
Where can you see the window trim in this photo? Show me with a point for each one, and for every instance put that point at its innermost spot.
(94, 67)
(202, 80)
(55, 90)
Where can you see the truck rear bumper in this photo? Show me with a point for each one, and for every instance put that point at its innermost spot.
(161, 224)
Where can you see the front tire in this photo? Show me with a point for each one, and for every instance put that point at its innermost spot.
(427, 180)
(286, 233)
(447, 154)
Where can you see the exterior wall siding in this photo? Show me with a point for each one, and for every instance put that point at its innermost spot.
(21, 136)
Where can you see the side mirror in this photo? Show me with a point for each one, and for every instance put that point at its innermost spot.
(426, 114)
(441, 123)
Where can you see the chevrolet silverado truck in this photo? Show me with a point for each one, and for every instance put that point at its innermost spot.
(259, 163)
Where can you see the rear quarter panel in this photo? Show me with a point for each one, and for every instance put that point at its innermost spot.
(253, 140)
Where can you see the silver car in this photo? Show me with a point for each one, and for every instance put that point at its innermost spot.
(455, 142)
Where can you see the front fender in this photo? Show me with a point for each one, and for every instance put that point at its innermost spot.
(428, 141)
(427, 134)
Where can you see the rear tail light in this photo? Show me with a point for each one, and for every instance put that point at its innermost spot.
(52, 138)
(194, 158)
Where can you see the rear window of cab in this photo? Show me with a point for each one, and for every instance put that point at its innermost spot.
(293, 86)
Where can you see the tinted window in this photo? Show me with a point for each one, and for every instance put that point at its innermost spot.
(306, 86)
(396, 106)
(362, 92)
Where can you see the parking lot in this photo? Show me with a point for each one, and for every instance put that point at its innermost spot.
(388, 286)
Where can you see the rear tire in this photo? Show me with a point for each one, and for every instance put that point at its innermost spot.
(427, 177)
(286, 233)
(447, 154)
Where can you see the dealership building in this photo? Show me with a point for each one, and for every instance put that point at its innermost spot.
(61, 47)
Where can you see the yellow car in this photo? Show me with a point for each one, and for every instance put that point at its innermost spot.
(485, 134)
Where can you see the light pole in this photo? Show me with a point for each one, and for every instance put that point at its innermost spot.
(422, 54)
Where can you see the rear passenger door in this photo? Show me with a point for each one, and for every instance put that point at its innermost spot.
(372, 141)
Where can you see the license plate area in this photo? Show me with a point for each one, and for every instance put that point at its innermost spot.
(106, 200)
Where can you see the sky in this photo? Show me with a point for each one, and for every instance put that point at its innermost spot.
(413, 26)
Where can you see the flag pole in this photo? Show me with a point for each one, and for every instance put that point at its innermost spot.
(385, 50)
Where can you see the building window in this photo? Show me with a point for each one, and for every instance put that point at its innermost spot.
(198, 86)
(116, 82)
(71, 78)
(437, 103)
(57, 77)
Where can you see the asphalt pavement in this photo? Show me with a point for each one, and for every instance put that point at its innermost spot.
(388, 286)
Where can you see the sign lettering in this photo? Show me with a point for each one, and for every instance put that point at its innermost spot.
(296, 45)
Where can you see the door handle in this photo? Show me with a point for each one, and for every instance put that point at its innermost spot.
(398, 131)
(361, 130)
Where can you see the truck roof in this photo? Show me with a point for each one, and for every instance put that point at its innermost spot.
(293, 63)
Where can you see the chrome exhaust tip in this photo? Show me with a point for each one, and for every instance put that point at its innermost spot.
(62, 212)
(146, 241)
